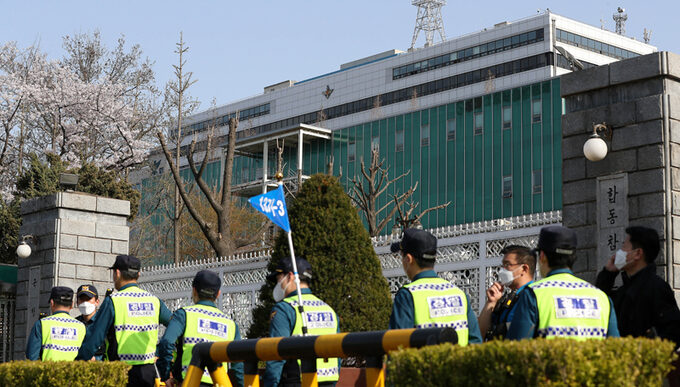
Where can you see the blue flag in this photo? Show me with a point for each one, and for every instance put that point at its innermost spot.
(273, 205)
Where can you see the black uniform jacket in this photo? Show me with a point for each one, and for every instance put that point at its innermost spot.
(645, 301)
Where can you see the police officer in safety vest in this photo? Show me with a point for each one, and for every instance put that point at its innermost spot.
(130, 317)
(561, 305)
(198, 323)
(59, 336)
(429, 301)
(285, 320)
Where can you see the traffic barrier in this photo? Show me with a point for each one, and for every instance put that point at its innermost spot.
(371, 345)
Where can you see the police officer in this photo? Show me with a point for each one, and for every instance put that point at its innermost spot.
(87, 300)
(517, 271)
(132, 316)
(285, 321)
(560, 304)
(201, 322)
(58, 336)
(429, 301)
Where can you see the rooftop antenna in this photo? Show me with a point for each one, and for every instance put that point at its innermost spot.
(647, 35)
(620, 18)
(429, 20)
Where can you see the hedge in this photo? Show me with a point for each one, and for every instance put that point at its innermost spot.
(63, 373)
(540, 362)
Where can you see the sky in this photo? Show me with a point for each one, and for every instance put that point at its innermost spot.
(238, 48)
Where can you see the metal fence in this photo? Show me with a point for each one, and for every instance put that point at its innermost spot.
(469, 255)
(7, 310)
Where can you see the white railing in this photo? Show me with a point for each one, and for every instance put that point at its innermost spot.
(468, 255)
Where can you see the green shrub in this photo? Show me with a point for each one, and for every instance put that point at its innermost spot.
(327, 231)
(611, 362)
(63, 373)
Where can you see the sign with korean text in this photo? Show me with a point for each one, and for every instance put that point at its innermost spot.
(273, 205)
(612, 215)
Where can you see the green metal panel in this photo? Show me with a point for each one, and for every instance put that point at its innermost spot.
(451, 170)
(515, 145)
(408, 151)
(440, 161)
(469, 158)
(352, 166)
(382, 199)
(390, 166)
(415, 156)
(526, 150)
(399, 159)
(487, 158)
(424, 186)
(497, 157)
(557, 145)
(460, 162)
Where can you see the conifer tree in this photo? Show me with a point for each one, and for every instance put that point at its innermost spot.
(347, 275)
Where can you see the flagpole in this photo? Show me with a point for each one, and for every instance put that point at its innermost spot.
(301, 308)
(297, 285)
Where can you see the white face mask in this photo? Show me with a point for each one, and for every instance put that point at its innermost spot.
(278, 292)
(505, 276)
(86, 308)
(620, 259)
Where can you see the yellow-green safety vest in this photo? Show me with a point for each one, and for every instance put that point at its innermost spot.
(321, 320)
(135, 324)
(62, 336)
(570, 307)
(204, 324)
(439, 303)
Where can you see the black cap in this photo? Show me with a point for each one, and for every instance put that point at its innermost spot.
(419, 243)
(207, 283)
(557, 239)
(87, 290)
(127, 262)
(286, 266)
(61, 293)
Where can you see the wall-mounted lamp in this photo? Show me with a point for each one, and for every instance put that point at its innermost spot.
(595, 149)
(24, 250)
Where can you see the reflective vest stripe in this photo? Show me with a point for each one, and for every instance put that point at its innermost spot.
(204, 324)
(439, 303)
(321, 320)
(571, 308)
(61, 337)
(136, 319)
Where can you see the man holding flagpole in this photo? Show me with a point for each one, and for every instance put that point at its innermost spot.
(286, 320)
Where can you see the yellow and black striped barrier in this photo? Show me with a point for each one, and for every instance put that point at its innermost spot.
(371, 345)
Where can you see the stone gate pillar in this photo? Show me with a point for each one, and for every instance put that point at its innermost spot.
(638, 183)
(76, 239)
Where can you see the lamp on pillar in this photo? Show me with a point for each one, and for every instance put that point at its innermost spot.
(595, 149)
(24, 250)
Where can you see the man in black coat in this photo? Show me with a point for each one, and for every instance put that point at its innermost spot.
(645, 304)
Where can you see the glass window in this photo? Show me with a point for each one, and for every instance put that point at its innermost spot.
(399, 141)
(536, 110)
(351, 151)
(479, 123)
(451, 129)
(424, 134)
(531, 36)
(507, 186)
(537, 181)
(375, 142)
(515, 40)
(475, 50)
(507, 117)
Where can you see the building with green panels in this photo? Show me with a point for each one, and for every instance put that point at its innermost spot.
(475, 120)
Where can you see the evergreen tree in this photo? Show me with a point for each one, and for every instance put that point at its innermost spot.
(327, 232)
(10, 221)
(43, 179)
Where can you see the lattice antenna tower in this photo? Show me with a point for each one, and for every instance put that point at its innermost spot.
(647, 35)
(429, 20)
(620, 18)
